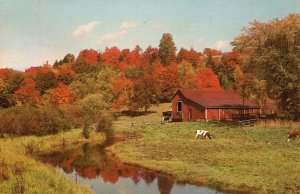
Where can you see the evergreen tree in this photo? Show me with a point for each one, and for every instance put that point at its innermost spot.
(167, 49)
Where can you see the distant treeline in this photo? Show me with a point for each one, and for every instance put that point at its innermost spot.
(263, 66)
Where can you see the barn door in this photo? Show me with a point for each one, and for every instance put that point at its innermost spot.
(190, 114)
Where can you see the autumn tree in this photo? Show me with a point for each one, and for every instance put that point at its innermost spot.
(273, 49)
(149, 56)
(66, 74)
(168, 79)
(211, 52)
(111, 56)
(225, 69)
(122, 91)
(167, 49)
(207, 79)
(89, 56)
(145, 93)
(10, 81)
(27, 94)
(61, 94)
(191, 56)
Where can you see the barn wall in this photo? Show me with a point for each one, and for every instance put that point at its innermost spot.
(212, 114)
(174, 103)
(197, 112)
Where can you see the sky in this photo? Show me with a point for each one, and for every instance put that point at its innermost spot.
(35, 31)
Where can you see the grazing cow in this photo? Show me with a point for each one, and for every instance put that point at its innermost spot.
(203, 133)
(293, 135)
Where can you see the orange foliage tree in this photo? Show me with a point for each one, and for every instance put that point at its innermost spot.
(191, 56)
(207, 79)
(61, 94)
(168, 80)
(111, 56)
(211, 52)
(89, 56)
(122, 90)
(27, 94)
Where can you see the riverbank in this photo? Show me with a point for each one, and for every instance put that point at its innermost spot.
(248, 160)
(20, 172)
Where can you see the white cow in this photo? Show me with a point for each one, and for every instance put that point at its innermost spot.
(203, 133)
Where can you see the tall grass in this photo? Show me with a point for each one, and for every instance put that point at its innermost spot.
(251, 159)
(20, 172)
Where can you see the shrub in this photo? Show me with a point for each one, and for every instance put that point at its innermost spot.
(33, 121)
(86, 132)
(104, 123)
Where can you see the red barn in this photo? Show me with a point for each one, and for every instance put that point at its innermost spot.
(208, 104)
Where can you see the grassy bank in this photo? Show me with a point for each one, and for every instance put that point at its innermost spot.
(20, 172)
(252, 159)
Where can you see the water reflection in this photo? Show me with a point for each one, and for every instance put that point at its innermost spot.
(93, 166)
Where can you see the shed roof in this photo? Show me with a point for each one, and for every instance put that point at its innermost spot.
(209, 98)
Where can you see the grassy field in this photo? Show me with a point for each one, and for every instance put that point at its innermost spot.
(20, 172)
(252, 159)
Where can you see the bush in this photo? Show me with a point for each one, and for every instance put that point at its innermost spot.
(85, 131)
(33, 121)
(105, 124)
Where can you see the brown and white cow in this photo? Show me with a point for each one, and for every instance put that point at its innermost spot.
(293, 135)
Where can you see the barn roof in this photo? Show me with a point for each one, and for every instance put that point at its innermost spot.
(209, 98)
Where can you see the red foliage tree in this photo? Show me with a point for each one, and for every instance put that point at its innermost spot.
(211, 52)
(65, 74)
(89, 56)
(149, 56)
(122, 89)
(111, 56)
(27, 94)
(231, 60)
(61, 94)
(191, 56)
(168, 80)
(208, 79)
(5, 73)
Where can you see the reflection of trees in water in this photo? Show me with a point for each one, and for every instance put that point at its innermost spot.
(92, 162)
(165, 184)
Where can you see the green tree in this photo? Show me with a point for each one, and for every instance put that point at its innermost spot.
(69, 58)
(4, 96)
(167, 49)
(272, 51)
(45, 81)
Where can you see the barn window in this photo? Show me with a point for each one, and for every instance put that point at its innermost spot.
(179, 106)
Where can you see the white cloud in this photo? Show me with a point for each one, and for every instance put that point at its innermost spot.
(157, 26)
(84, 29)
(128, 25)
(3, 67)
(223, 45)
(111, 36)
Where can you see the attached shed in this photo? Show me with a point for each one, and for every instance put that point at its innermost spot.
(208, 104)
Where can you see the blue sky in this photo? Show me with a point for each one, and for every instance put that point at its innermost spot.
(33, 31)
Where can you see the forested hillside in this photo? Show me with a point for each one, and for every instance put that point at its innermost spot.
(264, 66)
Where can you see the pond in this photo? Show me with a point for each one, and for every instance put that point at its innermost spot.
(92, 166)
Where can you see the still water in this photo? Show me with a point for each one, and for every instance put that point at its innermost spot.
(96, 168)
